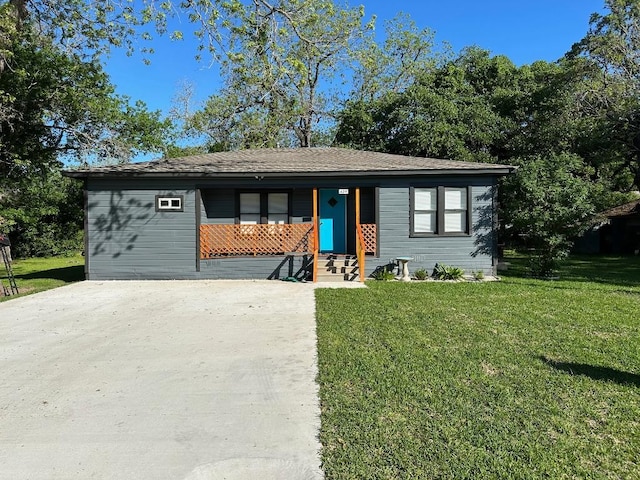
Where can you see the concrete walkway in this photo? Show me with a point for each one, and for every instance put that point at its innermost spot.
(160, 380)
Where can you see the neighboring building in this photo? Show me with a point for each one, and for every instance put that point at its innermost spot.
(617, 233)
(274, 213)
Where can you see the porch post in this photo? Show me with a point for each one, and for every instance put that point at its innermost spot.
(360, 248)
(358, 206)
(198, 222)
(316, 237)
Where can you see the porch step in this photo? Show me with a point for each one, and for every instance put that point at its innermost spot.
(338, 268)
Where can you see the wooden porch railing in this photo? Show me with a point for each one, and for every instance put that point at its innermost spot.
(369, 237)
(262, 239)
(241, 240)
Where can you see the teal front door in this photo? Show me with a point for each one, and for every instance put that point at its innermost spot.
(333, 221)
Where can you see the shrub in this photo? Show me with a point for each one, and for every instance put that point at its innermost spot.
(447, 272)
(421, 274)
(543, 265)
(383, 274)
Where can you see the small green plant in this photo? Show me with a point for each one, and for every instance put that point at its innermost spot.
(447, 272)
(478, 275)
(421, 274)
(383, 274)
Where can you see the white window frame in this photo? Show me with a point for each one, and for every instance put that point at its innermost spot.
(169, 203)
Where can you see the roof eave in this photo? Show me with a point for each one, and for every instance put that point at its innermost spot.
(374, 173)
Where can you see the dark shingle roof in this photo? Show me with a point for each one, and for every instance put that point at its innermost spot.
(630, 208)
(290, 162)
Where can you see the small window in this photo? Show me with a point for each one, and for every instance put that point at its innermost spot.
(440, 211)
(169, 203)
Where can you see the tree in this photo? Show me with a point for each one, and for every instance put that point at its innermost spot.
(549, 204)
(229, 121)
(59, 107)
(90, 28)
(43, 215)
(278, 56)
(406, 54)
(275, 54)
(280, 61)
(612, 44)
(444, 113)
(482, 108)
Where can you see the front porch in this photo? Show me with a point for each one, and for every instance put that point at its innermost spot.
(301, 236)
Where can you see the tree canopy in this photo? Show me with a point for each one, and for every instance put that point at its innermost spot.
(612, 45)
(277, 73)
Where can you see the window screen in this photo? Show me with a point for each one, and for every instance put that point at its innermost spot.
(249, 208)
(265, 207)
(455, 210)
(425, 210)
(278, 208)
(440, 211)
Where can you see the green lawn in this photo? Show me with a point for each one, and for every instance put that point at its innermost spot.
(38, 274)
(521, 378)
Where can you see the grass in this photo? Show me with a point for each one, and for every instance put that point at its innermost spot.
(521, 378)
(38, 274)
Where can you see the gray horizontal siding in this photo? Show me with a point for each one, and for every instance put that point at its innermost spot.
(128, 239)
(276, 267)
(473, 252)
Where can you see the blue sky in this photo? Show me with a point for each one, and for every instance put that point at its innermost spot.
(524, 31)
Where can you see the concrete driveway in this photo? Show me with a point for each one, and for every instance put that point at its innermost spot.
(160, 380)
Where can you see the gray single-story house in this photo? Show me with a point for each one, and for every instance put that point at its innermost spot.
(276, 213)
